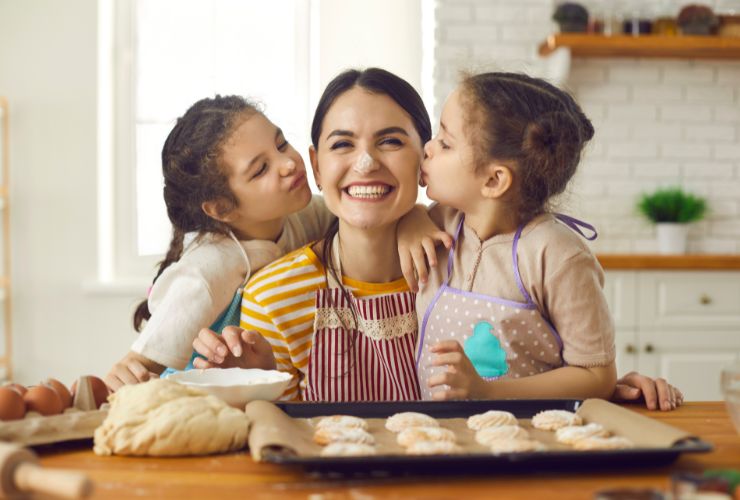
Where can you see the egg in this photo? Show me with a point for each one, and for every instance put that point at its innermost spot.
(12, 406)
(62, 390)
(44, 400)
(99, 390)
(20, 389)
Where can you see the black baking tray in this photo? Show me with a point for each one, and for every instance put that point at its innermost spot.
(556, 460)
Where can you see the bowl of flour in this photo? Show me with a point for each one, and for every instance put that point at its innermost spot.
(236, 386)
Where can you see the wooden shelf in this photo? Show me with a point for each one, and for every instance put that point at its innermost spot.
(655, 46)
(687, 262)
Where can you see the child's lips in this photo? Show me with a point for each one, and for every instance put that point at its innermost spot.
(299, 181)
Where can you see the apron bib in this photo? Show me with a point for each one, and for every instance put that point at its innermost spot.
(365, 356)
(501, 337)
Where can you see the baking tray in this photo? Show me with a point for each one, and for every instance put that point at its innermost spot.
(554, 460)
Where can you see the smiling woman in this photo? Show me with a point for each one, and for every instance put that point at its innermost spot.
(338, 314)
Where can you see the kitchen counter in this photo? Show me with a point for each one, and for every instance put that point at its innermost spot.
(237, 476)
(685, 262)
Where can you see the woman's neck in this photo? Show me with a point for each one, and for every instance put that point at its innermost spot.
(369, 255)
(266, 230)
(491, 219)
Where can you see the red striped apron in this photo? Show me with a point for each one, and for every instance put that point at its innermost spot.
(372, 360)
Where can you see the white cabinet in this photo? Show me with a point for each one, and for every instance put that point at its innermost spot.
(683, 326)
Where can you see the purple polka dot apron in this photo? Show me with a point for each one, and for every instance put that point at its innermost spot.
(363, 348)
(501, 337)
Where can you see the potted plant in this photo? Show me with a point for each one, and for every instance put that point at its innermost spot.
(672, 209)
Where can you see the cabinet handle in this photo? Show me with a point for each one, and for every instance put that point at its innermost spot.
(649, 348)
(630, 348)
(705, 299)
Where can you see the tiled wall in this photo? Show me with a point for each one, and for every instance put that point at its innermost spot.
(658, 122)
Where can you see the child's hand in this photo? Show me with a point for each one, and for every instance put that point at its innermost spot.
(132, 369)
(418, 237)
(658, 393)
(235, 347)
(461, 377)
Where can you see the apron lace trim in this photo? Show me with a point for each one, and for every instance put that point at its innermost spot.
(376, 329)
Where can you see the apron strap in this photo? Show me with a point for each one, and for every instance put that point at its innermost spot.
(576, 225)
(515, 261)
(451, 253)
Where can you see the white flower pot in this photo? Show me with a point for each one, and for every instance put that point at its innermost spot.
(672, 237)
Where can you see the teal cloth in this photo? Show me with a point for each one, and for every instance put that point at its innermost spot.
(230, 317)
(485, 352)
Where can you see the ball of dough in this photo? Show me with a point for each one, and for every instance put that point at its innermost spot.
(164, 418)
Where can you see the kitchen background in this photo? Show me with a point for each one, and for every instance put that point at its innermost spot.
(659, 122)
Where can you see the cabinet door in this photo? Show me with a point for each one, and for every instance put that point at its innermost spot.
(690, 360)
(620, 290)
(627, 349)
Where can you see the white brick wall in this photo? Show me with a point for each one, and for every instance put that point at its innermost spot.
(658, 122)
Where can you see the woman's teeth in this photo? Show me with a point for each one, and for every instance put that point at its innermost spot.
(368, 191)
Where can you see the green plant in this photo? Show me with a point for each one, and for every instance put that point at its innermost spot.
(672, 205)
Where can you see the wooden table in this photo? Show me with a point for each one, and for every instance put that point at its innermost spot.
(237, 476)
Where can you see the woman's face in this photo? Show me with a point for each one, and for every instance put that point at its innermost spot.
(368, 159)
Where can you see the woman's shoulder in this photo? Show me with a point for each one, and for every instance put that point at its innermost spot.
(445, 217)
(295, 269)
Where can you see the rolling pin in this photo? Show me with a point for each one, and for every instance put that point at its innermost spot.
(20, 475)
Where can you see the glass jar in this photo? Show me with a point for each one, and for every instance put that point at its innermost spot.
(664, 18)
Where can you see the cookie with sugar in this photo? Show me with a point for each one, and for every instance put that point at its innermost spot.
(400, 421)
(411, 435)
(515, 446)
(574, 433)
(491, 418)
(347, 450)
(552, 420)
(603, 443)
(335, 434)
(342, 421)
(433, 448)
(488, 435)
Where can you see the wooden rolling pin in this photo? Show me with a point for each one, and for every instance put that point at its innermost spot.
(20, 475)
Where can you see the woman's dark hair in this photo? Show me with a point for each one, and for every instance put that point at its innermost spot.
(193, 174)
(527, 122)
(376, 81)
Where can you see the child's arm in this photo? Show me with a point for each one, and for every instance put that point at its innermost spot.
(418, 237)
(132, 369)
(567, 382)
(657, 393)
(235, 347)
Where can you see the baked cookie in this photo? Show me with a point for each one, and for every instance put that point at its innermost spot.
(347, 450)
(337, 434)
(433, 448)
(603, 443)
(552, 420)
(342, 421)
(573, 433)
(515, 446)
(492, 418)
(488, 435)
(411, 435)
(400, 421)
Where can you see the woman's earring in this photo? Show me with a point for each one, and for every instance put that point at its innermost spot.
(318, 186)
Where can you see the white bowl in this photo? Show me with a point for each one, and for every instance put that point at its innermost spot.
(236, 386)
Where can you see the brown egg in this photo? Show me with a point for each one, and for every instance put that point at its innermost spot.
(12, 406)
(99, 390)
(62, 390)
(44, 400)
(20, 389)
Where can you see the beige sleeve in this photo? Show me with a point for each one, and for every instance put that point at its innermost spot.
(576, 305)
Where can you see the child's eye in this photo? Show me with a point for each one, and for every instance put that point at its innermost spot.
(443, 144)
(282, 147)
(259, 172)
(340, 144)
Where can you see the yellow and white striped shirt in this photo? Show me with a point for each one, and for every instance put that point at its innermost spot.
(279, 302)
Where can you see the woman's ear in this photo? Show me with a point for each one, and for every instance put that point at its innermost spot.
(313, 156)
(498, 180)
(217, 210)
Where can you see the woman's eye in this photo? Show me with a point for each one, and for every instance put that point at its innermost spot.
(392, 141)
(261, 171)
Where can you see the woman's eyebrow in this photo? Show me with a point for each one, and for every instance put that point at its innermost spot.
(340, 132)
(391, 130)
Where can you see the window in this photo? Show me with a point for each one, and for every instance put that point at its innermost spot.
(167, 54)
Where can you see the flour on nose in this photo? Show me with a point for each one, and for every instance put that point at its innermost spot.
(364, 163)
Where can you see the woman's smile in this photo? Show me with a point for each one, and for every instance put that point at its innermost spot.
(365, 191)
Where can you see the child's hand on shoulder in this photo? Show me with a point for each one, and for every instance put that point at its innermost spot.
(234, 348)
(460, 377)
(418, 238)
